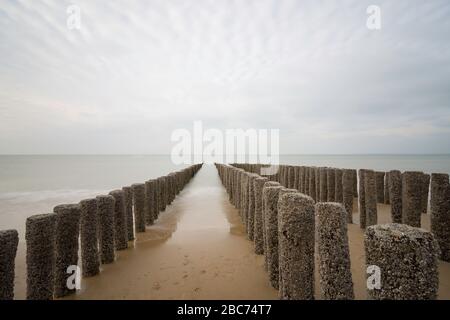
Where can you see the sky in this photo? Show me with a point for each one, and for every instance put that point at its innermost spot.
(135, 71)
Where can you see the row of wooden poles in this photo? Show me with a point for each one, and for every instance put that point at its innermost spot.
(294, 212)
(101, 225)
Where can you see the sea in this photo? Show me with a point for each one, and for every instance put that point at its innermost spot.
(34, 184)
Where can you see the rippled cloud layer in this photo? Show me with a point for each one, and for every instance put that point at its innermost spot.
(137, 70)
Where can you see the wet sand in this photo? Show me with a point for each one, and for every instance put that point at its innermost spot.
(198, 250)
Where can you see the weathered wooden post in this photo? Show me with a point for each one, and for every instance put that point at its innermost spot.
(9, 239)
(331, 182)
(323, 184)
(296, 246)
(264, 233)
(291, 177)
(296, 177)
(301, 187)
(120, 221)
(244, 192)
(231, 186)
(276, 176)
(105, 211)
(172, 187)
(138, 190)
(407, 262)
(411, 198)
(347, 193)
(156, 196)
(338, 196)
(148, 200)
(89, 225)
(240, 186)
(238, 190)
(312, 183)
(386, 189)
(245, 199)
(370, 192)
(440, 212)
(362, 198)
(251, 206)
(166, 192)
(379, 177)
(40, 237)
(355, 183)
(128, 195)
(280, 173)
(176, 181)
(161, 194)
(227, 183)
(67, 236)
(425, 192)
(395, 195)
(334, 256)
(285, 175)
(306, 182)
(317, 187)
(258, 222)
(270, 196)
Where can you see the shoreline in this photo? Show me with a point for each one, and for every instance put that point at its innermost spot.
(198, 250)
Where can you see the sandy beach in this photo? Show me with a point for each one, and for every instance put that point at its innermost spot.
(198, 250)
(115, 105)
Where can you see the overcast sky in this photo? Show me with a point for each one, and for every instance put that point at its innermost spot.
(137, 70)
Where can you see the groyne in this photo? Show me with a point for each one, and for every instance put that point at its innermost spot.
(101, 225)
(304, 204)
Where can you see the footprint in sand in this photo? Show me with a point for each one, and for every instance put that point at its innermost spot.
(156, 286)
(185, 276)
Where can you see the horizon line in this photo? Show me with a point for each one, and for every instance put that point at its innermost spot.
(210, 156)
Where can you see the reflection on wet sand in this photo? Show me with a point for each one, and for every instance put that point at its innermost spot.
(198, 249)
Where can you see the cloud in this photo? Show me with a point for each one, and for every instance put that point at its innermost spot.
(138, 70)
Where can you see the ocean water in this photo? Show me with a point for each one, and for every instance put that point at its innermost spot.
(35, 184)
(427, 163)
